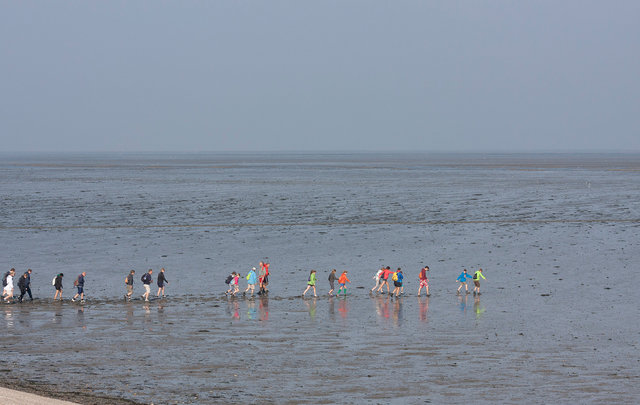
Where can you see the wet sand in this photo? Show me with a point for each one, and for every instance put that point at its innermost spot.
(285, 349)
(557, 321)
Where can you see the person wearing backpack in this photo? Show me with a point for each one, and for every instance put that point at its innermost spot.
(385, 280)
(161, 281)
(252, 280)
(234, 284)
(263, 278)
(57, 283)
(311, 283)
(229, 282)
(128, 281)
(397, 282)
(146, 283)
(476, 281)
(7, 284)
(79, 284)
(424, 280)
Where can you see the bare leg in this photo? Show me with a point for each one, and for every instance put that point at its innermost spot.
(307, 289)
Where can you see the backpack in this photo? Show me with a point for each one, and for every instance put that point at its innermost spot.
(248, 276)
(475, 276)
(4, 279)
(53, 282)
(75, 282)
(394, 277)
(228, 280)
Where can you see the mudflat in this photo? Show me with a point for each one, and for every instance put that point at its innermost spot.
(557, 320)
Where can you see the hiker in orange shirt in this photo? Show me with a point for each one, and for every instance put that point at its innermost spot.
(343, 280)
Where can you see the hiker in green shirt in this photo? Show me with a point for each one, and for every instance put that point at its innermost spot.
(476, 281)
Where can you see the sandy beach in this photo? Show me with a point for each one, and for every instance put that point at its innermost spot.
(11, 397)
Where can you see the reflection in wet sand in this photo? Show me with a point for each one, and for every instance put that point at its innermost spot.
(264, 308)
(343, 307)
(332, 308)
(129, 316)
(8, 318)
(463, 300)
(311, 307)
(252, 312)
(423, 304)
(80, 321)
(382, 306)
(397, 311)
(233, 308)
(57, 318)
(477, 307)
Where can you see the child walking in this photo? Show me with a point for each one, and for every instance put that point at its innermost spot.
(332, 279)
(342, 281)
(229, 281)
(311, 283)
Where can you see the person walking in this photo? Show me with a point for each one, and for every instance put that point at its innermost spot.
(229, 282)
(7, 282)
(384, 278)
(128, 281)
(397, 282)
(342, 283)
(311, 283)
(424, 280)
(79, 284)
(233, 286)
(263, 278)
(462, 279)
(57, 283)
(22, 285)
(252, 280)
(476, 281)
(146, 283)
(27, 285)
(332, 279)
(377, 278)
(162, 280)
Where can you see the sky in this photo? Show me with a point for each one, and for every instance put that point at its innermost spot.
(319, 76)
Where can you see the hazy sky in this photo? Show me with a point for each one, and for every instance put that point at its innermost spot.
(319, 75)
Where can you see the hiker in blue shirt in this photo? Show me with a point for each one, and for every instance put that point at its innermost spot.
(252, 280)
(462, 278)
(79, 283)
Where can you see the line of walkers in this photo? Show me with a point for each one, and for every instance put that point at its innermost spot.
(146, 279)
(259, 280)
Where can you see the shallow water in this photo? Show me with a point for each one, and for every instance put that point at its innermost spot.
(556, 235)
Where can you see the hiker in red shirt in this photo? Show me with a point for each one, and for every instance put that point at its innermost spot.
(424, 281)
(384, 280)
